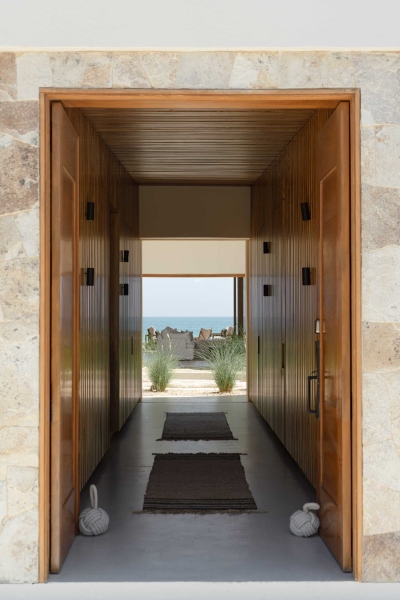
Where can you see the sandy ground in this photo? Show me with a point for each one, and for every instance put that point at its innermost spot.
(195, 392)
(189, 381)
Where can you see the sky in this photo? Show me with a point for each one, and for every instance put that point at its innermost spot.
(187, 296)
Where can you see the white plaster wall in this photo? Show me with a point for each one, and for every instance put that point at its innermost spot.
(194, 211)
(211, 24)
(206, 257)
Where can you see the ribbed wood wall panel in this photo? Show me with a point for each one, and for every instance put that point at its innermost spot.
(102, 180)
(285, 320)
(254, 299)
(94, 393)
(129, 306)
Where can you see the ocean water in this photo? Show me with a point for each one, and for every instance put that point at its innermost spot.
(187, 323)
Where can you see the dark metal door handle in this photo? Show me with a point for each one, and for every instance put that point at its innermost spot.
(310, 410)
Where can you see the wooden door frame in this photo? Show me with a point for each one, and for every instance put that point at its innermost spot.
(198, 99)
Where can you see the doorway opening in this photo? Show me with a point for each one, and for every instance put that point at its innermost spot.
(189, 317)
(296, 434)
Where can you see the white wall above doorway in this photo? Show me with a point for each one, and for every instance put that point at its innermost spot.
(194, 211)
(194, 257)
(212, 24)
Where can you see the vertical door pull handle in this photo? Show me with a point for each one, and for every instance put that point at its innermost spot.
(310, 410)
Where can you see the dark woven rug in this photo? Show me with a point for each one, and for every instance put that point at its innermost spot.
(196, 426)
(198, 483)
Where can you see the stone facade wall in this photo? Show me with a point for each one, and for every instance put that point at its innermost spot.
(21, 75)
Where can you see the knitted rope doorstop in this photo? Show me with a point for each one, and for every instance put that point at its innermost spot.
(304, 523)
(93, 521)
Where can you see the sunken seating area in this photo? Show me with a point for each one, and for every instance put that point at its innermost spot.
(184, 345)
(180, 343)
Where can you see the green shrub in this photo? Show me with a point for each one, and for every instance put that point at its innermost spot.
(226, 361)
(160, 369)
(150, 345)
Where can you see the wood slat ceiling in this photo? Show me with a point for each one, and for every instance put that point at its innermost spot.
(196, 146)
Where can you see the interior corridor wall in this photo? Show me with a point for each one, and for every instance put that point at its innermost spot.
(102, 180)
(283, 322)
(125, 303)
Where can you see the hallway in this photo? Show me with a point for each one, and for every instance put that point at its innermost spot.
(159, 547)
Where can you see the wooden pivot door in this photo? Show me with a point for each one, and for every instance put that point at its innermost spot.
(64, 337)
(334, 481)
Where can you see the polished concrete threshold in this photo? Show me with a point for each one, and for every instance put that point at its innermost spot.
(333, 590)
(199, 548)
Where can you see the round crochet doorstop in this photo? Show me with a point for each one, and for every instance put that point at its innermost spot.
(93, 521)
(304, 523)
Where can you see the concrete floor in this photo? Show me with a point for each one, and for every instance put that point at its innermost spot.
(201, 548)
(334, 590)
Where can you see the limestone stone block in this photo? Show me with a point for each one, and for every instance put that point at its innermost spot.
(368, 156)
(128, 72)
(19, 545)
(381, 285)
(16, 251)
(387, 150)
(10, 239)
(97, 70)
(366, 117)
(3, 501)
(19, 406)
(376, 409)
(4, 359)
(22, 489)
(377, 74)
(19, 290)
(25, 357)
(19, 446)
(20, 120)
(204, 70)
(19, 175)
(381, 347)
(8, 76)
(33, 72)
(19, 385)
(395, 430)
(68, 69)
(382, 464)
(381, 508)
(337, 69)
(392, 381)
(28, 226)
(161, 68)
(300, 70)
(255, 70)
(381, 557)
(16, 332)
(380, 217)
